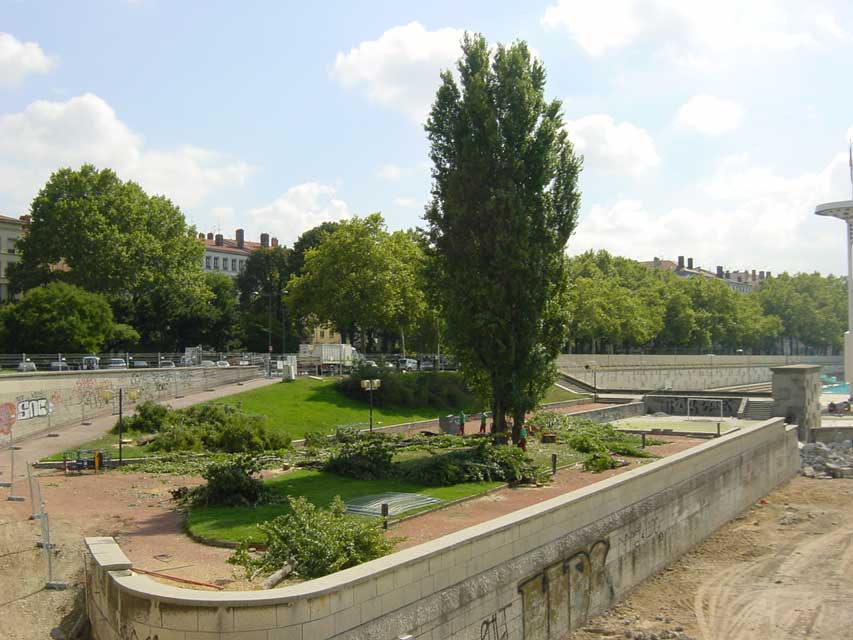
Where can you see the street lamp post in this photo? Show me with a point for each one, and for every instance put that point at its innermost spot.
(593, 365)
(843, 210)
(370, 386)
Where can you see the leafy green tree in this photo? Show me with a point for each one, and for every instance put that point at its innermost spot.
(361, 278)
(262, 286)
(59, 317)
(505, 201)
(92, 230)
(215, 324)
(309, 240)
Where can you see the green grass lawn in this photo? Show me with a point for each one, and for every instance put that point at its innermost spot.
(556, 394)
(315, 405)
(238, 523)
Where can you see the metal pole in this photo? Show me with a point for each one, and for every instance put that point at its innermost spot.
(371, 405)
(269, 334)
(553, 464)
(385, 515)
(120, 423)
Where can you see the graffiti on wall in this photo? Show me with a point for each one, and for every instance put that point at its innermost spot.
(33, 408)
(8, 417)
(94, 393)
(495, 627)
(557, 600)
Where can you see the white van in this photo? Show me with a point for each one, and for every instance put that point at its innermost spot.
(407, 364)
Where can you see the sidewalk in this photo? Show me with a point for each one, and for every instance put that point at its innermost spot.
(39, 446)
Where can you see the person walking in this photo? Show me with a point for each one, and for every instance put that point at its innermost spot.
(461, 423)
(522, 438)
(483, 420)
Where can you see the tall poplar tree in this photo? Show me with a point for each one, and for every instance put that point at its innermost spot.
(504, 202)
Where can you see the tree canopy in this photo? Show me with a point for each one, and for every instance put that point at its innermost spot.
(95, 231)
(504, 202)
(60, 317)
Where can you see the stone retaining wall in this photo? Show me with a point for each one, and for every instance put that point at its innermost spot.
(678, 373)
(34, 402)
(534, 574)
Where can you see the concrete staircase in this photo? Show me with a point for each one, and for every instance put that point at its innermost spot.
(758, 410)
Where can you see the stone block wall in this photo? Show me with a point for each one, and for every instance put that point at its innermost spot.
(796, 396)
(534, 574)
(35, 402)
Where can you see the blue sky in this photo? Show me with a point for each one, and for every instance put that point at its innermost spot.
(709, 129)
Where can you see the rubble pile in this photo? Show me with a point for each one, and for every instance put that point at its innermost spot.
(820, 460)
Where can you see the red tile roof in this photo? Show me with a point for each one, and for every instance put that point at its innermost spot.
(9, 219)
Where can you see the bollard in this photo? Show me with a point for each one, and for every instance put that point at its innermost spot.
(385, 516)
(718, 430)
(553, 464)
(643, 443)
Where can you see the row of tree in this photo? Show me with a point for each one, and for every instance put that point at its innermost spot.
(619, 304)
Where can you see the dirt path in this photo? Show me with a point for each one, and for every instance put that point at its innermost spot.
(782, 570)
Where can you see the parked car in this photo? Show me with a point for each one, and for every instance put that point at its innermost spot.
(139, 364)
(116, 363)
(223, 363)
(59, 365)
(208, 363)
(427, 364)
(27, 366)
(90, 363)
(407, 364)
(167, 364)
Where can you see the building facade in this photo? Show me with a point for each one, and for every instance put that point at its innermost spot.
(229, 255)
(740, 281)
(11, 230)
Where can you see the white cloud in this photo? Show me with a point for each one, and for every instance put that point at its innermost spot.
(750, 218)
(610, 147)
(697, 33)
(85, 129)
(709, 115)
(301, 208)
(390, 172)
(20, 59)
(406, 202)
(827, 23)
(400, 69)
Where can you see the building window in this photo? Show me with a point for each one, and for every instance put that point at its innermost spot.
(233, 264)
(12, 242)
(225, 264)
(215, 262)
(242, 264)
(207, 262)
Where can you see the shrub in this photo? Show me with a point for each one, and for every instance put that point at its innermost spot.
(315, 440)
(482, 462)
(315, 541)
(150, 418)
(218, 428)
(442, 390)
(231, 483)
(598, 462)
(366, 458)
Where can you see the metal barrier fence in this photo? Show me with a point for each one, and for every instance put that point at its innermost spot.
(126, 360)
(39, 512)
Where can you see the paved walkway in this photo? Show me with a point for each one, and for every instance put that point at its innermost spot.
(40, 446)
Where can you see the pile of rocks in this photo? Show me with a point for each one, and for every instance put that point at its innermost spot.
(827, 461)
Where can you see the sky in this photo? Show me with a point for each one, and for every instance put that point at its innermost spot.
(708, 129)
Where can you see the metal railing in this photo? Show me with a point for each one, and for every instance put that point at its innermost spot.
(39, 512)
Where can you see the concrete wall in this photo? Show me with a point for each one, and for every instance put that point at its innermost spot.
(678, 373)
(831, 434)
(796, 396)
(35, 402)
(603, 360)
(533, 574)
(677, 405)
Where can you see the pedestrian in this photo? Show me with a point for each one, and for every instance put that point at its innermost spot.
(522, 438)
(483, 419)
(461, 423)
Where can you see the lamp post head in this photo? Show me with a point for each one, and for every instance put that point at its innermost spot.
(843, 210)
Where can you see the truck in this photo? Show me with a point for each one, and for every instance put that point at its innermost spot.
(327, 356)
